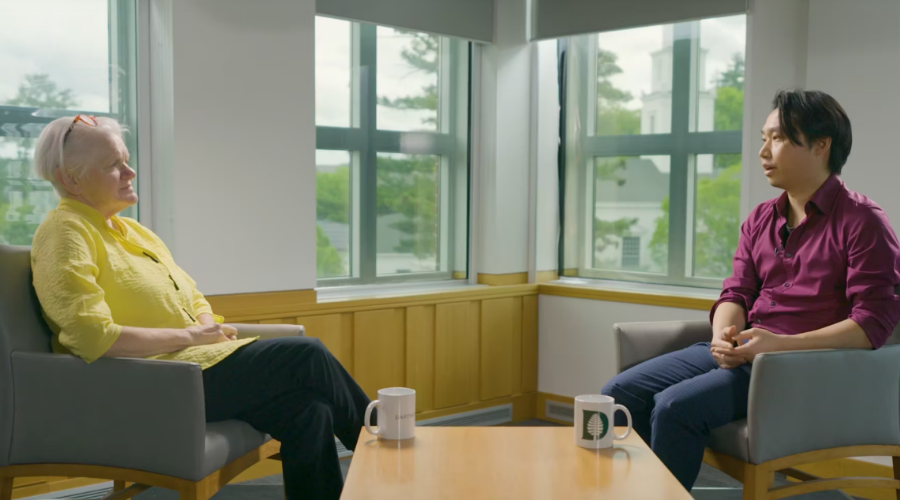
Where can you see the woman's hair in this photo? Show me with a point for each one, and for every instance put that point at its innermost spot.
(54, 151)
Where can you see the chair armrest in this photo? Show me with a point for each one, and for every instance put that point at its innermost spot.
(268, 331)
(123, 412)
(638, 342)
(813, 400)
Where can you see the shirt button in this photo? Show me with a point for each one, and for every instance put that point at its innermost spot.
(758, 322)
(772, 304)
(788, 255)
(787, 285)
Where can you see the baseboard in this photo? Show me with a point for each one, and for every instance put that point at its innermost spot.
(540, 409)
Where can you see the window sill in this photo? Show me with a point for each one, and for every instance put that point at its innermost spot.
(634, 293)
(358, 292)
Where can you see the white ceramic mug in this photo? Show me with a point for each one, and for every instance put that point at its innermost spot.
(396, 414)
(594, 421)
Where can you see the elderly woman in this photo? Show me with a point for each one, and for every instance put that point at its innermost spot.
(108, 286)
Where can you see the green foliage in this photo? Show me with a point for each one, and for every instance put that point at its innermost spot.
(612, 117)
(729, 113)
(718, 215)
(328, 261)
(409, 186)
(717, 210)
(422, 55)
(333, 195)
(734, 75)
(37, 90)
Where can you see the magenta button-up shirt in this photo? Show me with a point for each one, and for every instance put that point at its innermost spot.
(842, 261)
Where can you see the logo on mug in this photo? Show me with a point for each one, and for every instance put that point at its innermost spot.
(594, 425)
(404, 417)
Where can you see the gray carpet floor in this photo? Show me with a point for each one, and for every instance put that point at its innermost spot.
(710, 485)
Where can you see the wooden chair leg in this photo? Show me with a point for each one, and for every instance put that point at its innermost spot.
(6, 484)
(190, 492)
(897, 473)
(756, 482)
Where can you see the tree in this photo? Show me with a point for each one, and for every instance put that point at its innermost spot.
(734, 75)
(409, 186)
(39, 91)
(718, 195)
(717, 219)
(612, 117)
(333, 195)
(328, 261)
(422, 56)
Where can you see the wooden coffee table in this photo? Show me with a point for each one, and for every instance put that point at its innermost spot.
(505, 462)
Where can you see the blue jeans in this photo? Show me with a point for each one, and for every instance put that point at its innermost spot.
(676, 399)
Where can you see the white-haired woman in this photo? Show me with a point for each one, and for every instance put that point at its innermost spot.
(108, 286)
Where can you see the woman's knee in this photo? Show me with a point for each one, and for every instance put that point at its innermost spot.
(306, 345)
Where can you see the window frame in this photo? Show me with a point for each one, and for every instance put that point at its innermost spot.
(364, 141)
(125, 19)
(680, 144)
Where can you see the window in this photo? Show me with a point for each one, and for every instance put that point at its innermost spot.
(392, 160)
(653, 152)
(631, 252)
(52, 70)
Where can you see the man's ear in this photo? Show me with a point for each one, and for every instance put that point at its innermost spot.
(68, 182)
(822, 146)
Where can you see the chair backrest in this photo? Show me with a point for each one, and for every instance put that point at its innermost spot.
(22, 328)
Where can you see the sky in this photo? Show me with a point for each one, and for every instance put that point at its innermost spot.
(68, 39)
(721, 37)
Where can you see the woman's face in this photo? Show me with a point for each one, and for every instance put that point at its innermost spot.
(106, 183)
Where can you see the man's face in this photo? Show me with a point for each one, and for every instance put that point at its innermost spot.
(788, 165)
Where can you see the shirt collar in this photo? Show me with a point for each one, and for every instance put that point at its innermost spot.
(89, 213)
(823, 199)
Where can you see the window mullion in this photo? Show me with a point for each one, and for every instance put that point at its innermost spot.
(678, 175)
(368, 201)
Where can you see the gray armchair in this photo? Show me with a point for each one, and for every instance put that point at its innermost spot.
(129, 420)
(804, 407)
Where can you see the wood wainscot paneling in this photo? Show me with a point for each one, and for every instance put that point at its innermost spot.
(420, 331)
(379, 359)
(501, 342)
(456, 354)
(335, 331)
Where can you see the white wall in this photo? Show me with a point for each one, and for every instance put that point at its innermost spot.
(776, 59)
(576, 344)
(854, 55)
(243, 169)
(502, 225)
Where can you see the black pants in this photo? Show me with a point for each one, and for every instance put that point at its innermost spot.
(295, 390)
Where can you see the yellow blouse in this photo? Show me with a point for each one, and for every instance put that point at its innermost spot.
(91, 280)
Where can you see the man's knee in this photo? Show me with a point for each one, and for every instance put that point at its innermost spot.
(619, 389)
(673, 406)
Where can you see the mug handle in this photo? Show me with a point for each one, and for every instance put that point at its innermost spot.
(627, 415)
(374, 432)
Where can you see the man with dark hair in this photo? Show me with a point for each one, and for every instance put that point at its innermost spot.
(815, 268)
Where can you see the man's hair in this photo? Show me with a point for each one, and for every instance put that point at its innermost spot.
(814, 115)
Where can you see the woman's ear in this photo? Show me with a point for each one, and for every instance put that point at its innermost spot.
(68, 182)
